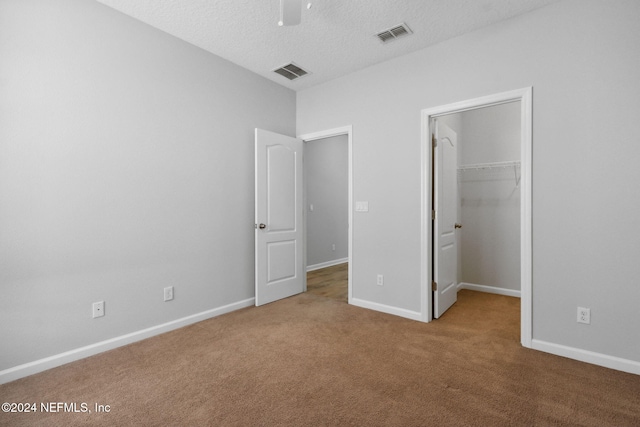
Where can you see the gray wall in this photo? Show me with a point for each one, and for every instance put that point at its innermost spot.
(126, 165)
(581, 57)
(326, 178)
(489, 198)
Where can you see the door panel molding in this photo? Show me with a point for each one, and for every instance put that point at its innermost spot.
(523, 95)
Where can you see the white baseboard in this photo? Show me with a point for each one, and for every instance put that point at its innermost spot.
(413, 315)
(489, 289)
(327, 264)
(31, 368)
(599, 359)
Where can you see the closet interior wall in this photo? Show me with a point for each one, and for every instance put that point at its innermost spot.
(489, 197)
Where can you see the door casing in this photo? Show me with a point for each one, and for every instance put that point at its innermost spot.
(348, 131)
(523, 95)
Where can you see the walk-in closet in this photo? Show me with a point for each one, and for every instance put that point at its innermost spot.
(488, 179)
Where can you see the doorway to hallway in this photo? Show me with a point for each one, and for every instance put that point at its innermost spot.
(333, 260)
(330, 282)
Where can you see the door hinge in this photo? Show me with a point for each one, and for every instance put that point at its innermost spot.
(434, 141)
(434, 285)
(433, 215)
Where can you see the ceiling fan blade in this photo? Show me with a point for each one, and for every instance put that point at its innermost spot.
(290, 12)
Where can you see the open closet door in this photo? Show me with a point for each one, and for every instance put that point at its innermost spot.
(279, 233)
(445, 205)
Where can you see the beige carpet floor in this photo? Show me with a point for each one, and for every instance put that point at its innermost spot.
(312, 361)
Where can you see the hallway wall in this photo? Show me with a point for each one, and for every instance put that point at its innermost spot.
(326, 177)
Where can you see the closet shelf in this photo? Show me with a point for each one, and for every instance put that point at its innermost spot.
(496, 165)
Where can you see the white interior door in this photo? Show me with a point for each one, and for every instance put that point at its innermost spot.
(445, 201)
(279, 233)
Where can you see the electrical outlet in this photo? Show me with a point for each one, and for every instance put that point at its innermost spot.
(380, 280)
(584, 315)
(98, 309)
(333, 247)
(168, 293)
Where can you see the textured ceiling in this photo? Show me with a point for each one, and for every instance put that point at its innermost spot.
(336, 37)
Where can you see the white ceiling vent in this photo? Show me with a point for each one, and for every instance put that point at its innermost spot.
(394, 33)
(291, 71)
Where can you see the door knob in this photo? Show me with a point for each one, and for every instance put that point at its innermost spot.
(458, 225)
(262, 226)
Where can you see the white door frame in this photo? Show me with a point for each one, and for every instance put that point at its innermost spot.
(344, 130)
(523, 95)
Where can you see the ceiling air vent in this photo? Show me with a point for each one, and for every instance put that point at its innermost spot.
(291, 71)
(394, 33)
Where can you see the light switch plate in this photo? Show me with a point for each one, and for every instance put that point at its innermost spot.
(362, 206)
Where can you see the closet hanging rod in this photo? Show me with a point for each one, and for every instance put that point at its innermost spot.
(496, 165)
(493, 165)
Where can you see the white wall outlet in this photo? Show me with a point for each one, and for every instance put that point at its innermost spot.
(333, 247)
(168, 293)
(584, 315)
(380, 280)
(98, 309)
